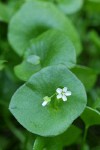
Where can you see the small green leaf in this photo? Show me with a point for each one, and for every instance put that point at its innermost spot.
(26, 25)
(57, 116)
(91, 117)
(87, 75)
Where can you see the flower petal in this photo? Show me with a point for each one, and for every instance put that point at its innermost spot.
(64, 98)
(44, 103)
(65, 89)
(59, 96)
(59, 91)
(68, 93)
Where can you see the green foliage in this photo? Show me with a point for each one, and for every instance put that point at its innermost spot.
(93, 5)
(44, 83)
(50, 74)
(85, 75)
(50, 50)
(2, 64)
(96, 104)
(91, 116)
(58, 142)
(30, 24)
(7, 11)
(4, 13)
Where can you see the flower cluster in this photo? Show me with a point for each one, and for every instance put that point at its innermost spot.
(60, 94)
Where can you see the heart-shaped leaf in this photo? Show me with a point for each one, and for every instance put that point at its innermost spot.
(57, 116)
(47, 51)
(26, 25)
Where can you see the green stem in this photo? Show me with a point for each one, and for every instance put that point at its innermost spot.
(53, 95)
(84, 137)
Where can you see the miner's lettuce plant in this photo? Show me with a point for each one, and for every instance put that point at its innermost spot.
(57, 116)
(52, 98)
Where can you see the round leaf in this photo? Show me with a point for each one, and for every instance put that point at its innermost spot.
(57, 116)
(40, 17)
(49, 50)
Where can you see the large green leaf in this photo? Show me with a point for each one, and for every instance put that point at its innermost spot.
(58, 142)
(87, 75)
(52, 50)
(91, 117)
(57, 116)
(70, 6)
(33, 19)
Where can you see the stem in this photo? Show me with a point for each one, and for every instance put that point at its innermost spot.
(53, 95)
(84, 137)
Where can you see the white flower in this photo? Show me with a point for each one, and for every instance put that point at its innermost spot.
(63, 93)
(46, 100)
